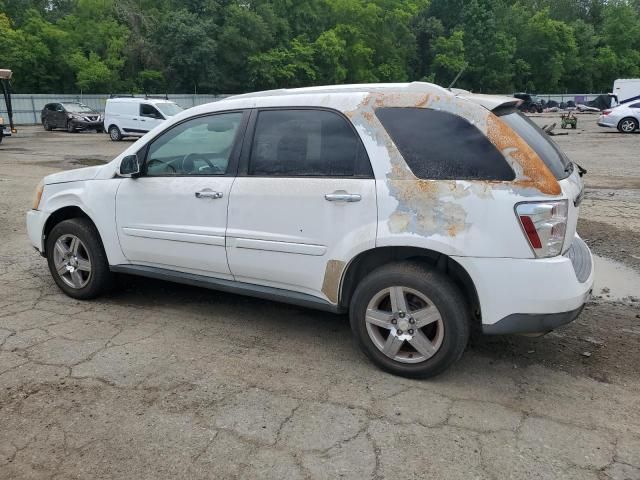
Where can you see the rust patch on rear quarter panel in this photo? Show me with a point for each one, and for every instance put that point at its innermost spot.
(332, 277)
(534, 174)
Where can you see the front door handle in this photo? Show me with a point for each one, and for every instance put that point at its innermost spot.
(342, 196)
(208, 194)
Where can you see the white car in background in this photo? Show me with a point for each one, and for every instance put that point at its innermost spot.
(625, 117)
(417, 211)
(135, 116)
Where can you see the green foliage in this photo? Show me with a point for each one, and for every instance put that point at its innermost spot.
(229, 46)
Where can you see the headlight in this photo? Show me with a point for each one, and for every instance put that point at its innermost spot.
(37, 195)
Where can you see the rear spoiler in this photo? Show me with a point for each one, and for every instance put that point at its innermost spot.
(490, 102)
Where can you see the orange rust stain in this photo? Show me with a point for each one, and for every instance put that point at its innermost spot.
(332, 276)
(535, 173)
(423, 101)
(452, 230)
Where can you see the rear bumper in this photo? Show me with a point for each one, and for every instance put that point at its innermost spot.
(531, 295)
(605, 121)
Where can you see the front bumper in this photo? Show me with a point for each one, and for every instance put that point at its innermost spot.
(6, 131)
(35, 228)
(86, 125)
(531, 295)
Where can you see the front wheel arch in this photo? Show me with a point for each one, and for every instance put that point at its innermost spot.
(64, 213)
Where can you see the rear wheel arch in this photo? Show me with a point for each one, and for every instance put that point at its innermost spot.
(633, 119)
(369, 260)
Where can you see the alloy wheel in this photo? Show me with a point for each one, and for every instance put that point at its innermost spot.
(404, 324)
(628, 126)
(71, 260)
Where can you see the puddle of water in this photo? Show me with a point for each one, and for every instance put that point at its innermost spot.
(621, 280)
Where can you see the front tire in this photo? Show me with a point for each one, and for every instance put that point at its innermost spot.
(70, 127)
(114, 133)
(628, 125)
(77, 260)
(410, 320)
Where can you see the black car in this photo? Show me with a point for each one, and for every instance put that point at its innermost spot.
(530, 103)
(71, 116)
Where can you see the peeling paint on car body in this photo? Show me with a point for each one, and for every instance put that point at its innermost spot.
(332, 277)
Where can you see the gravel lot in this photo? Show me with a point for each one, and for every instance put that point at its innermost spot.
(163, 381)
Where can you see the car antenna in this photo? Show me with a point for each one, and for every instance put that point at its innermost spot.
(464, 66)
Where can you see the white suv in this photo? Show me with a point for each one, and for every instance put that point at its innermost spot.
(418, 211)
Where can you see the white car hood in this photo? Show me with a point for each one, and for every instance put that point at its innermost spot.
(76, 175)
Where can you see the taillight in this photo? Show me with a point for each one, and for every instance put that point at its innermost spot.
(606, 112)
(544, 224)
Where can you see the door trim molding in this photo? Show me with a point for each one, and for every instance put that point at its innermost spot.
(230, 286)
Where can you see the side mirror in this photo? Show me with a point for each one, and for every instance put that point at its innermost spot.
(130, 166)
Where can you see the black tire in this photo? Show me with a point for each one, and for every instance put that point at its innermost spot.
(443, 294)
(1, 134)
(632, 122)
(115, 134)
(70, 127)
(99, 130)
(100, 279)
(45, 124)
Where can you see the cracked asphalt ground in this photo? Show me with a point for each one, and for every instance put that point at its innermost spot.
(163, 381)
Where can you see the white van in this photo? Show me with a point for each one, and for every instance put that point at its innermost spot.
(135, 116)
(627, 89)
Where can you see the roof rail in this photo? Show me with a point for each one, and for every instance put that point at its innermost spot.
(159, 97)
(121, 95)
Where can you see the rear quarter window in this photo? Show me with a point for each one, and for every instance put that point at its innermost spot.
(443, 146)
(546, 149)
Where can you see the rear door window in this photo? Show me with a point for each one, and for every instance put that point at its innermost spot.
(442, 146)
(306, 143)
(546, 149)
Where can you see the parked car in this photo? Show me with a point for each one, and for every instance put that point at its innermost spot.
(71, 116)
(625, 117)
(417, 211)
(530, 103)
(135, 116)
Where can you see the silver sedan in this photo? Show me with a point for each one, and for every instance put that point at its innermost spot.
(625, 117)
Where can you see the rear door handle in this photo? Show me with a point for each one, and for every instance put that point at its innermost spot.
(342, 196)
(208, 194)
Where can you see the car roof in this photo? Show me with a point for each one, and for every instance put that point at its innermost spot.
(138, 100)
(357, 88)
(319, 94)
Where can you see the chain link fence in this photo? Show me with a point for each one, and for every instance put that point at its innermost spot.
(27, 107)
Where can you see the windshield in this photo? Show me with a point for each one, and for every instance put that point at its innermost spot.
(77, 108)
(169, 108)
(548, 151)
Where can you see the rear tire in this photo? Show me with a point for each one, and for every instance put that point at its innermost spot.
(628, 125)
(115, 134)
(46, 125)
(77, 260)
(420, 333)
